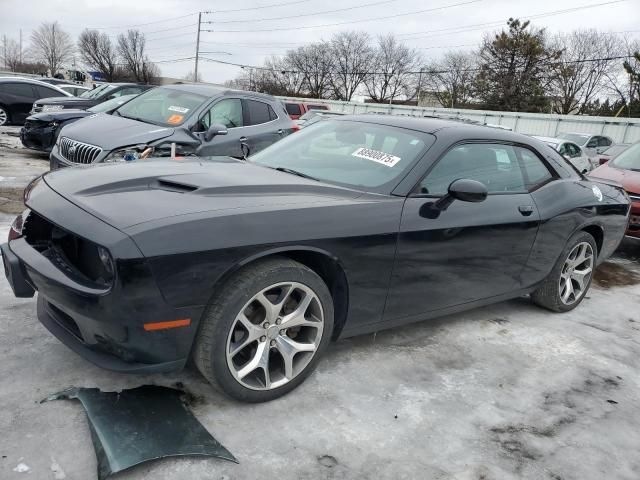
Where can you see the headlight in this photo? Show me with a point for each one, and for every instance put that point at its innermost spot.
(129, 154)
(52, 108)
(18, 224)
(107, 261)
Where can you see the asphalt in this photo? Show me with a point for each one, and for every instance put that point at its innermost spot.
(18, 166)
(509, 391)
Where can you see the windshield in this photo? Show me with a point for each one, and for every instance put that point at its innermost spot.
(110, 104)
(579, 138)
(629, 159)
(93, 92)
(615, 150)
(162, 106)
(355, 154)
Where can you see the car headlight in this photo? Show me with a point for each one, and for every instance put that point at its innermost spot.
(129, 154)
(52, 108)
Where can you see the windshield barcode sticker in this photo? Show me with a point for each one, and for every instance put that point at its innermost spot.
(376, 156)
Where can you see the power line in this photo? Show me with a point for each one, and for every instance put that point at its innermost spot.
(386, 17)
(261, 7)
(305, 14)
(421, 71)
(116, 27)
(464, 28)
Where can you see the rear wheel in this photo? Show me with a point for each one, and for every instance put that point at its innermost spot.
(265, 331)
(4, 117)
(570, 279)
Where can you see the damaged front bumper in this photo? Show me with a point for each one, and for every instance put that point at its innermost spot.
(39, 136)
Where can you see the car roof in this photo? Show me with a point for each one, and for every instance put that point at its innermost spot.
(552, 139)
(213, 90)
(28, 80)
(432, 125)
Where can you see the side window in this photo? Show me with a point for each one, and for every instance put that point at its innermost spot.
(293, 108)
(563, 150)
(495, 165)
(604, 142)
(573, 150)
(534, 170)
(259, 112)
(228, 112)
(44, 92)
(593, 143)
(18, 89)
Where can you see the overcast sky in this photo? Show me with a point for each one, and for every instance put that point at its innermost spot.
(170, 25)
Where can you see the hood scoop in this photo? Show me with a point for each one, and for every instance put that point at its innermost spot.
(176, 187)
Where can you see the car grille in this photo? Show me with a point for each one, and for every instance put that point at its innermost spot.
(634, 197)
(78, 152)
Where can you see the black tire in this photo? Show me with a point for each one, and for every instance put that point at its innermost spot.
(547, 295)
(209, 353)
(8, 117)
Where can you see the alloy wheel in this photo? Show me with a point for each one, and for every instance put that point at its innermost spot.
(3, 117)
(275, 336)
(576, 273)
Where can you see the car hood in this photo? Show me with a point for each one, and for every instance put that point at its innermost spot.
(629, 179)
(70, 101)
(128, 194)
(111, 131)
(60, 115)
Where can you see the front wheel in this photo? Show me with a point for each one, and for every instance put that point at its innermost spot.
(4, 117)
(265, 330)
(570, 279)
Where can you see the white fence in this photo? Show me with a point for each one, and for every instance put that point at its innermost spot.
(621, 129)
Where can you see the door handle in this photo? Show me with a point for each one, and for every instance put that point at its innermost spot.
(243, 139)
(526, 210)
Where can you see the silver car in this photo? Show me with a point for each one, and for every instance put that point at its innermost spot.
(571, 151)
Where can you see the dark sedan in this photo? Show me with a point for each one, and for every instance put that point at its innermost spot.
(89, 98)
(41, 130)
(349, 226)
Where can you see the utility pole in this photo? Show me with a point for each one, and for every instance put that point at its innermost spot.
(20, 46)
(4, 44)
(195, 70)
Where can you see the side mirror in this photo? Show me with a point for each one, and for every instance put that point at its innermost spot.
(463, 189)
(214, 130)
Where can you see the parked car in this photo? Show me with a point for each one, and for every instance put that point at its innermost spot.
(41, 130)
(296, 110)
(312, 116)
(18, 94)
(352, 225)
(592, 145)
(200, 119)
(89, 98)
(625, 169)
(570, 151)
(54, 81)
(75, 90)
(612, 152)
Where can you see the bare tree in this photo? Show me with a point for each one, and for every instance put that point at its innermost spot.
(98, 52)
(451, 79)
(131, 48)
(353, 60)
(190, 77)
(580, 73)
(10, 54)
(51, 46)
(314, 62)
(393, 64)
(624, 82)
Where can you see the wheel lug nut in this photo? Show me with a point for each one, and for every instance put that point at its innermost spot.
(278, 321)
(266, 325)
(263, 338)
(273, 343)
(283, 331)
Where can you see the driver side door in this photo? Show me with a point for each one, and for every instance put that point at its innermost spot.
(471, 251)
(228, 112)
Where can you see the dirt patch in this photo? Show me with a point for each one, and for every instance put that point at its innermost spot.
(615, 275)
(11, 200)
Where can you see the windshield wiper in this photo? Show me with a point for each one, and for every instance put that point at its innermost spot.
(138, 119)
(295, 172)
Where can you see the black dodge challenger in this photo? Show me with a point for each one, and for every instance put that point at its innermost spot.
(352, 225)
